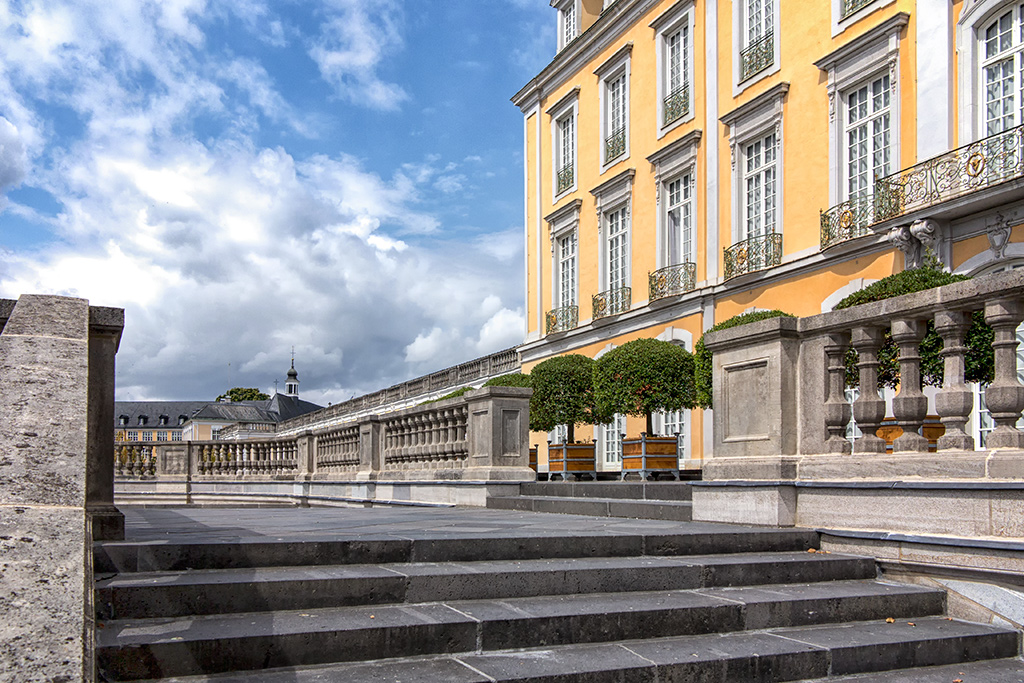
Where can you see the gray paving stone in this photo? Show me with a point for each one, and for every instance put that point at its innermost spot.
(999, 671)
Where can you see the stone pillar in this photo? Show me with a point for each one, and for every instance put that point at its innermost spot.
(371, 448)
(869, 408)
(837, 409)
(305, 455)
(498, 434)
(955, 401)
(909, 406)
(105, 326)
(1005, 396)
(47, 487)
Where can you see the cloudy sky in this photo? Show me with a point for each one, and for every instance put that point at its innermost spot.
(244, 176)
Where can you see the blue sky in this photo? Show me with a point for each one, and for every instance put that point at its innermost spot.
(341, 176)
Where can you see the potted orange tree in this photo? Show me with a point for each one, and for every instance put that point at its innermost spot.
(563, 394)
(640, 378)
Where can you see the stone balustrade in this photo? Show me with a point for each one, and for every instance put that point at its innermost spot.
(479, 437)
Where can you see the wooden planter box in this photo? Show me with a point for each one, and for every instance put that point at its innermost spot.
(533, 458)
(571, 460)
(650, 456)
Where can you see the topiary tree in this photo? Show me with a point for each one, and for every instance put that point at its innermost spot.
(642, 377)
(979, 359)
(239, 394)
(513, 379)
(563, 393)
(702, 358)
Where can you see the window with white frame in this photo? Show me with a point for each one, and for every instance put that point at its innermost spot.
(675, 60)
(758, 31)
(175, 436)
(615, 117)
(1002, 42)
(673, 423)
(565, 152)
(132, 436)
(759, 187)
(679, 220)
(610, 440)
(568, 23)
(868, 126)
(617, 247)
(567, 270)
(559, 435)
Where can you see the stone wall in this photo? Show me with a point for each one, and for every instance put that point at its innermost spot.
(56, 370)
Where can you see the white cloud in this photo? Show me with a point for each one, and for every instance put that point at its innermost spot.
(12, 155)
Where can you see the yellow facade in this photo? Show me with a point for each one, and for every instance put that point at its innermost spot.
(795, 78)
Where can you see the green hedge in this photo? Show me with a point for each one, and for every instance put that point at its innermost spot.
(702, 358)
(979, 359)
(513, 379)
(642, 377)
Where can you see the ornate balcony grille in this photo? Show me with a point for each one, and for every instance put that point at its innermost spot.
(851, 6)
(562, 319)
(757, 56)
(672, 280)
(612, 302)
(615, 145)
(846, 221)
(987, 162)
(566, 176)
(756, 253)
(677, 104)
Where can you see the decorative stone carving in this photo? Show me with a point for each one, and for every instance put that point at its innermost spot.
(904, 240)
(927, 233)
(998, 231)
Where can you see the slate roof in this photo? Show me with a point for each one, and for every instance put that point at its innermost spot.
(276, 409)
(153, 410)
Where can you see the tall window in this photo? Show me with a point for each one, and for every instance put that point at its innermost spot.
(569, 24)
(760, 190)
(615, 117)
(611, 440)
(677, 75)
(1001, 70)
(617, 222)
(679, 220)
(565, 153)
(759, 20)
(673, 423)
(868, 136)
(567, 270)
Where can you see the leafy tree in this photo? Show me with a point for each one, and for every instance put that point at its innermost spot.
(642, 377)
(979, 359)
(243, 394)
(702, 358)
(563, 393)
(513, 379)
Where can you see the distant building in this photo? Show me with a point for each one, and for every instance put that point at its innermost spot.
(205, 420)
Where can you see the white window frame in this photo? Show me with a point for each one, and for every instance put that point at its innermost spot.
(866, 123)
(975, 16)
(620, 216)
(564, 31)
(760, 148)
(613, 195)
(672, 161)
(610, 459)
(739, 22)
(615, 67)
(748, 123)
(566, 108)
(561, 223)
(859, 61)
(679, 17)
(841, 23)
(561, 297)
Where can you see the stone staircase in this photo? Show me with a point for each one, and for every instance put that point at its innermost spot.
(639, 500)
(605, 601)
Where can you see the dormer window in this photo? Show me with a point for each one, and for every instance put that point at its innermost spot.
(181, 419)
(143, 420)
(163, 420)
(122, 420)
(568, 22)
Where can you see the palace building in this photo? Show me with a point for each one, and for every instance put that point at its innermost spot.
(690, 160)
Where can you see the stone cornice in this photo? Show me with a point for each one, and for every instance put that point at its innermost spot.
(762, 100)
(897, 22)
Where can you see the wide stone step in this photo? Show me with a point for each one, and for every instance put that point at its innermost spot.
(786, 654)
(132, 649)
(633, 490)
(675, 510)
(167, 594)
(996, 671)
(694, 539)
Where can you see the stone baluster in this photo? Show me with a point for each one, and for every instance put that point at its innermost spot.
(130, 460)
(837, 409)
(150, 461)
(1005, 396)
(911, 405)
(207, 459)
(955, 401)
(119, 460)
(869, 408)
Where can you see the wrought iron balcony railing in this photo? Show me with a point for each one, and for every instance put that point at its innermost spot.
(566, 177)
(615, 145)
(677, 104)
(757, 56)
(755, 253)
(672, 280)
(846, 221)
(851, 6)
(612, 302)
(562, 319)
(979, 165)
